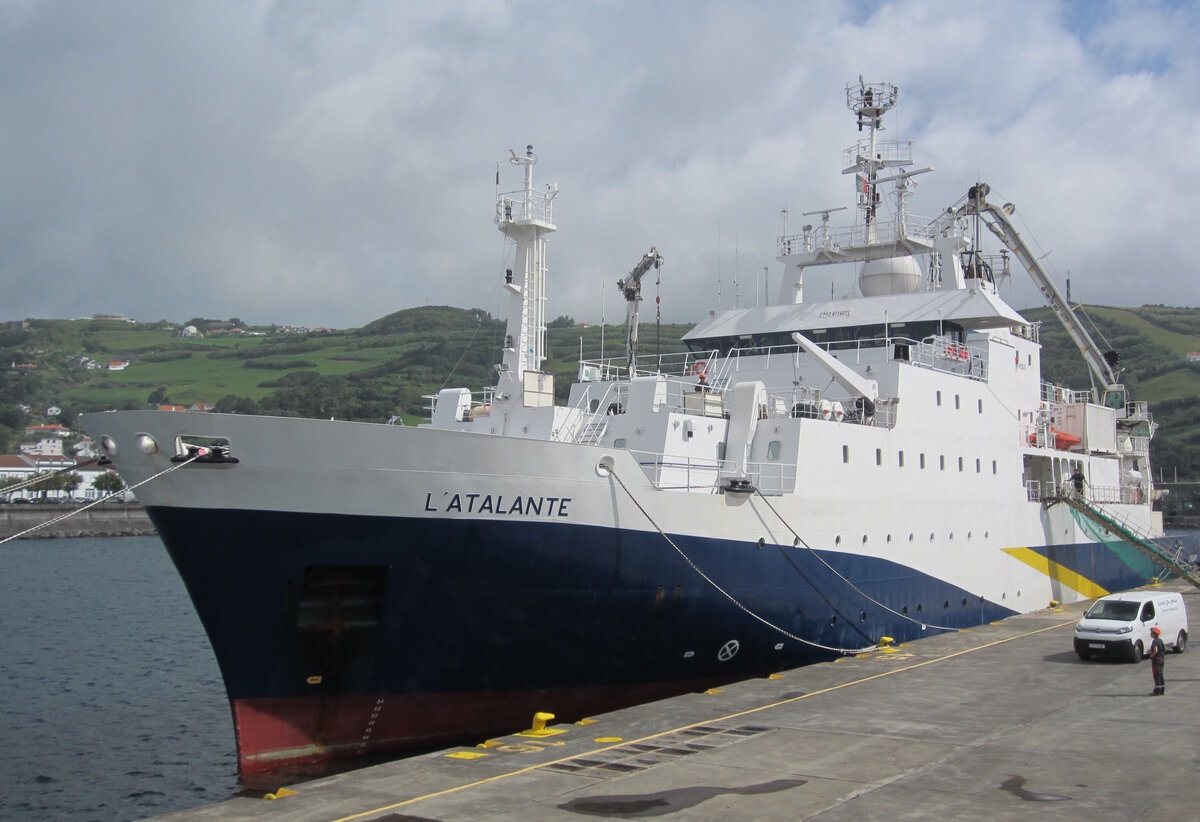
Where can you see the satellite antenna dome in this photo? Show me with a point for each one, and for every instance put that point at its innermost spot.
(890, 275)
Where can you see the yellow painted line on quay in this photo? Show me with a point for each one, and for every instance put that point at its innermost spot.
(739, 714)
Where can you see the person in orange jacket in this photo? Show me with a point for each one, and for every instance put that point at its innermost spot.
(1158, 657)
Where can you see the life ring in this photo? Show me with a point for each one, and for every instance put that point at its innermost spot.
(699, 368)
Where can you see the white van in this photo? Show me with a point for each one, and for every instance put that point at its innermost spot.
(1119, 624)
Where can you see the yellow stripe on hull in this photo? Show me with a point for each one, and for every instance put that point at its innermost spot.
(1057, 572)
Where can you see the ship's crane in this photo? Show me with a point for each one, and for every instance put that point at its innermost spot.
(1102, 364)
(631, 287)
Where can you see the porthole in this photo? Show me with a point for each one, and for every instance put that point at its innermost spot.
(952, 536)
(946, 605)
(833, 620)
(761, 543)
(889, 539)
(931, 536)
(904, 610)
(968, 534)
(910, 536)
(919, 608)
(864, 539)
(862, 616)
(964, 602)
(837, 540)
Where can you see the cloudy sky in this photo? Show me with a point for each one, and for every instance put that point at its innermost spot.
(327, 163)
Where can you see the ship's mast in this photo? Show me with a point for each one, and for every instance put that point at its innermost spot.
(869, 102)
(526, 217)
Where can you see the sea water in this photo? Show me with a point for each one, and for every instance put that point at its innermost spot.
(111, 703)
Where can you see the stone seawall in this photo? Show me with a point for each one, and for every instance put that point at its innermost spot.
(107, 520)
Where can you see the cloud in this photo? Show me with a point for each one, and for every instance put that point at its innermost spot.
(325, 164)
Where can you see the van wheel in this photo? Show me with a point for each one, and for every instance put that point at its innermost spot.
(1136, 656)
(1181, 642)
(1084, 655)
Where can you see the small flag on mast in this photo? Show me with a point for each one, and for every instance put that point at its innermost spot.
(861, 181)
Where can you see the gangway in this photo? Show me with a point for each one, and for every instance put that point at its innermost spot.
(1173, 562)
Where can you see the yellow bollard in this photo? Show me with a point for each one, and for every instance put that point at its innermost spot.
(539, 728)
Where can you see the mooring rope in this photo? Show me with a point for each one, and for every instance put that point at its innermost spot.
(835, 572)
(199, 453)
(39, 479)
(725, 593)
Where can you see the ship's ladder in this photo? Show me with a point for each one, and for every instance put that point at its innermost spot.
(1173, 561)
(593, 430)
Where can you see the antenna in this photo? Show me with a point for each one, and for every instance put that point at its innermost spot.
(737, 294)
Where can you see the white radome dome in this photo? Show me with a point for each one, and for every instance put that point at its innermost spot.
(891, 275)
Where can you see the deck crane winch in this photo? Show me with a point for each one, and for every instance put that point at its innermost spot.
(631, 287)
(1103, 365)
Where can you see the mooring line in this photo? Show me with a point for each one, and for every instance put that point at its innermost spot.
(39, 479)
(725, 593)
(200, 453)
(833, 570)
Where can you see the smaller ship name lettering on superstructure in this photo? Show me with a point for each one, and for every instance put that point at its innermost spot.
(498, 504)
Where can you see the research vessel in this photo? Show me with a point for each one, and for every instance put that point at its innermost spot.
(811, 477)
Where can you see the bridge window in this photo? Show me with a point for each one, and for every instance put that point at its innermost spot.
(773, 450)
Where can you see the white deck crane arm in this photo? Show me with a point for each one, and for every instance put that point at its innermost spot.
(631, 288)
(997, 221)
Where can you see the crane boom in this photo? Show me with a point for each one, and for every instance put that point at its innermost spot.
(996, 219)
(631, 288)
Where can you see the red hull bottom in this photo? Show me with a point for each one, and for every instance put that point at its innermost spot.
(277, 735)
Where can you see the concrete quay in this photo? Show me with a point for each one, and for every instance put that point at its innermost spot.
(1001, 722)
(63, 521)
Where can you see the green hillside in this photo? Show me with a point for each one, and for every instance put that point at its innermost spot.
(371, 373)
(384, 368)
